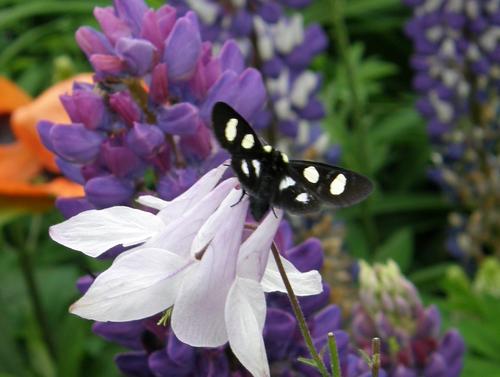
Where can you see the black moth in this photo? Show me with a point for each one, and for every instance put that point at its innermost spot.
(270, 179)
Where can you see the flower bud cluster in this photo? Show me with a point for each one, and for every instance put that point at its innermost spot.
(391, 310)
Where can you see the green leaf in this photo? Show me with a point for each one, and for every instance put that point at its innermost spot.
(398, 247)
(309, 362)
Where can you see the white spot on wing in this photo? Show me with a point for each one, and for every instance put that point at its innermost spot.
(231, 129)
(256, 166)
(268, 148)
(337, 186)
(244, 168)
(248, 141)
(303, 198)
(284, 157)
(286, 182)
(311, 174)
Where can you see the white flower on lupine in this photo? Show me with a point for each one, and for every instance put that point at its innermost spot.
(190, 256)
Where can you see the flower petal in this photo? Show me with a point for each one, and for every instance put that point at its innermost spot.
(176, 208)
(182, 49)
(254, 252)
(303, 283)
(178, 235)
(95, 231)
(198, 315)
(212, 226)
(245, 314)
(136, 286)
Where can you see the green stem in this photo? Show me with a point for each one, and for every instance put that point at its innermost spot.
(334, 355)
(299, 315)
(341, 38)
(25, 253)
(375, 357)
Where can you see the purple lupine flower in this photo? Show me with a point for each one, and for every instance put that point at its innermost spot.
(282, 48)
(456, 62)
(146, 118)
(190, 257)
(390, 309)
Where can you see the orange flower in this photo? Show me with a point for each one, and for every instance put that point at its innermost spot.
(23, 162)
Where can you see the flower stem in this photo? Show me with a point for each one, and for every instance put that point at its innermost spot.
(25, 253)
(299, 315)
(341, 37)
(334, 355)
(375, 357)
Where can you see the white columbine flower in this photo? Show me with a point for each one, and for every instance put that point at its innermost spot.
(190, 256)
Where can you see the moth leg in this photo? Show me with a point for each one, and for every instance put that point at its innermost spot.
(274, 213)
(243, 193)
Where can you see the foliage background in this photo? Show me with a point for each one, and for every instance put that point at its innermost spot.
(380, 134)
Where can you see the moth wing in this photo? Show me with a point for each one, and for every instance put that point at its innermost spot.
(293, 196)
(333, 185)
(234, 133)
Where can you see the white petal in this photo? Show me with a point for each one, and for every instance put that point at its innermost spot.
(95, 231)
(245, 316)
(178, 235)
(152, 202)
(136, 286)
(198, 315)
(303, 283)
(254, 252)
(196, 192)
(221, 216)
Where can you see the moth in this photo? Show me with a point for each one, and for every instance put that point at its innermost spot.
(271, 179)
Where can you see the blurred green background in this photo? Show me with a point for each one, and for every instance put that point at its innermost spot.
(406, 219)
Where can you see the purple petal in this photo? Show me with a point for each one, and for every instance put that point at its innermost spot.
(138, 55)
(279, 332)
(157, 25)
(182, 49)
(126, 334)
(132, 12)
(176, 182)
(162, 366)
(134, 364)
(121, 161)
(159, 84)
(83, 283)
(44, 127)
(325, 321)
(179, 352)
(75, 143)
(307, 256)
(270, 12)
(112, 26)
(71, 171)
(108, 64)
(231, 57)
(85, 107)
(126, 107)
(92, 42)
(178, 119)
(436, 367)
(197, 147)
(242, 23)
(145, 139)
(108, 191)
(70, 207)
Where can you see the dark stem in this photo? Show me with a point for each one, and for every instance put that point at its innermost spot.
(297, 310)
